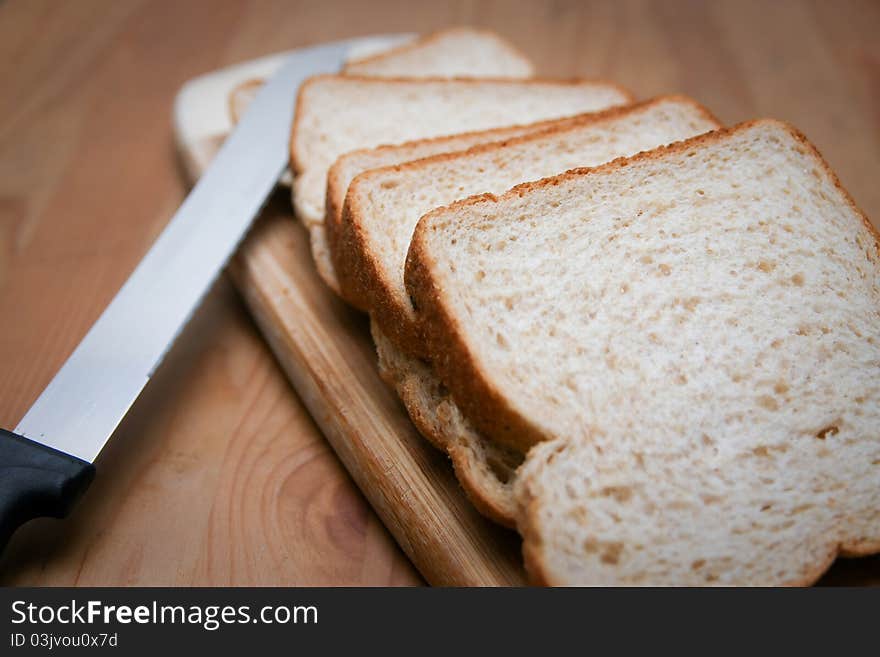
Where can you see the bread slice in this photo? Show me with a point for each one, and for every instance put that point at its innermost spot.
(486, 470)
(337, 114)
(695, 329)
(383, 206)
(587, 139)
(453, 52)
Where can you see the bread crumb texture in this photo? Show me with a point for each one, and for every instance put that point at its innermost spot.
(696, 333)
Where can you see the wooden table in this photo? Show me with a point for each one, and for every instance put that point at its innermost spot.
(218, 476)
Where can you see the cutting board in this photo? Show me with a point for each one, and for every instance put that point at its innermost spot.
(326, 350)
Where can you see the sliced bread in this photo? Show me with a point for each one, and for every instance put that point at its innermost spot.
(597, 138)
(383, 206)
(453, 52)
(337, 114)
(348, 166)
(695, 329)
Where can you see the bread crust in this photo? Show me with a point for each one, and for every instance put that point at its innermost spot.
(245, 88)
(457, 366)
(498, 506)
(436, 36)
(492, 496)
(363, 279)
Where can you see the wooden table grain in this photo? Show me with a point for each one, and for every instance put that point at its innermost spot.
(219, 476)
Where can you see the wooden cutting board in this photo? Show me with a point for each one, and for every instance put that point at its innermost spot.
(326, 350)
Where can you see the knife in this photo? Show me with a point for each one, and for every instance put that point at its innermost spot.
(46, 464)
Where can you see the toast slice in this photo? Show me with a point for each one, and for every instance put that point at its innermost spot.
(485, 469)
(383, 206)
(695, 330)
(337, 114)
(453, 52)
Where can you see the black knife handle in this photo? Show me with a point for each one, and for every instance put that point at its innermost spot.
(37, 481)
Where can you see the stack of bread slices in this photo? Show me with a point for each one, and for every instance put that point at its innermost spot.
(648, 342)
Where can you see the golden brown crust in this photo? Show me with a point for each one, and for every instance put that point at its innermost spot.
(473, 482)
(343, 239)
(498, 509)
(361, 276)
(422, 423)
(475, 393)
(361, 279)
(297, 165)
(435, 36)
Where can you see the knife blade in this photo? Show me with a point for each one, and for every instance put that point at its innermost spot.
(47, 462)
